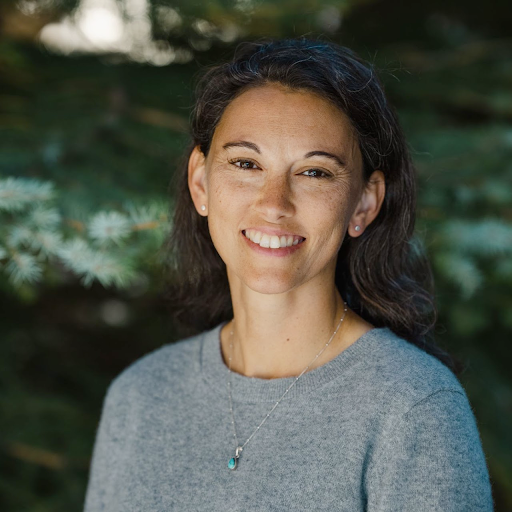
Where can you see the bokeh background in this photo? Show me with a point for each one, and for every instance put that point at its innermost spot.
(94, 103)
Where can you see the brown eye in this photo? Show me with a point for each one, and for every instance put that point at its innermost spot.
(318, 173)
(244, 164)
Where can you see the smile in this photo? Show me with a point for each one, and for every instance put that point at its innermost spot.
(272, 241)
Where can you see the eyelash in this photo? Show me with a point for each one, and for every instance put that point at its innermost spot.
(237, 160)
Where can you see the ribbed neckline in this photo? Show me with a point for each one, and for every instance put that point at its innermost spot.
(253, 389)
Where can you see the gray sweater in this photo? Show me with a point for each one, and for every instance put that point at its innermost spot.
(381, 427)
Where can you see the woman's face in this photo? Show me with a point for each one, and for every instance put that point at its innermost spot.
(282, 165)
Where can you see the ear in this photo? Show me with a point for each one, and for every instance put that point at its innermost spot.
(197, 180)
(369, 204)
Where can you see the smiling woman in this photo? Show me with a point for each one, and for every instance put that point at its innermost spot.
(293, 259)
(272, 172)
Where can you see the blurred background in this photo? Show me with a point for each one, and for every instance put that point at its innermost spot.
(94, 103)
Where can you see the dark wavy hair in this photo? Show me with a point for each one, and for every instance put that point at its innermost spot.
(383, 274)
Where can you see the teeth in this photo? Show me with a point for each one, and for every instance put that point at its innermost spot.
(273, 242)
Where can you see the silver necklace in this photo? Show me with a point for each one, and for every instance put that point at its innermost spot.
(232, 464)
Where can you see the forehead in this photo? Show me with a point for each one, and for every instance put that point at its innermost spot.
(277, 117)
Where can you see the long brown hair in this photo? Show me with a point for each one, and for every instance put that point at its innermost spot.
(384, 274)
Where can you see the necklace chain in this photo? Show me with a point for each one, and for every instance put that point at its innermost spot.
(233, 461)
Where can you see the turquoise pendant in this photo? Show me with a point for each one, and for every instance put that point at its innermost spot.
(233, 461)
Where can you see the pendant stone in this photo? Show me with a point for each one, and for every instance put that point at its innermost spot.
(233, 461)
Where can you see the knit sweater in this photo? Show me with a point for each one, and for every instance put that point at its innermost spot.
(382, 427)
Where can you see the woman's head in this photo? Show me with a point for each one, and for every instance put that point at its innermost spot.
(282, 163)
(379, 272)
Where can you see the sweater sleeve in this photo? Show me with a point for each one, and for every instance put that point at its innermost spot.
(107, 454)
(431, 459)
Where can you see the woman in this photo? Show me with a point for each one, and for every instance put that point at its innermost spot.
(314, 383)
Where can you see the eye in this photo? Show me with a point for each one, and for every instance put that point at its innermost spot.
(317, 173)
(244, 163)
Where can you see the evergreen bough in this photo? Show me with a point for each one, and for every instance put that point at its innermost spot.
(111, 247)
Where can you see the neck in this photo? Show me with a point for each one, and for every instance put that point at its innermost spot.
(279, 336)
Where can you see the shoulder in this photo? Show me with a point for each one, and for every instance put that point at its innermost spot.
(402, 374)
(425, 445)
(159, 371)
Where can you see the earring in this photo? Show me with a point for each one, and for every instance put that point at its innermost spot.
(357, 228)
(203, 207)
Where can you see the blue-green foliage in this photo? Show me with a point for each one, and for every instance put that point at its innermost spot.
(107, 247)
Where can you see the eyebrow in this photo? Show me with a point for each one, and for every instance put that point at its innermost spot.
(254, 147)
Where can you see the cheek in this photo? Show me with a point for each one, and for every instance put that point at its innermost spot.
(332, 216)
(222, 186)
(228, 199)
(226, 210)
(334, 203)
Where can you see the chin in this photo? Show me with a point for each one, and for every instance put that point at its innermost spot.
(269, 284)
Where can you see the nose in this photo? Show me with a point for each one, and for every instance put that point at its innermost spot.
(274, 199)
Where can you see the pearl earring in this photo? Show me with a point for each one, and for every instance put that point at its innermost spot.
(357, 228)
(203, 207)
